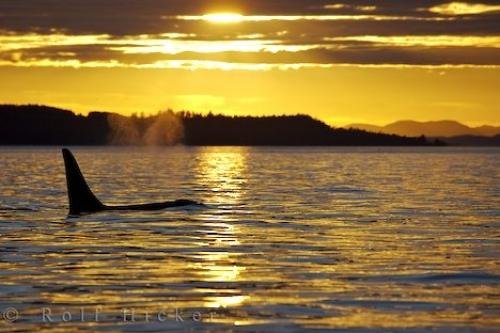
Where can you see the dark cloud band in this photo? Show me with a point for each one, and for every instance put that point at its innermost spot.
(424, 32)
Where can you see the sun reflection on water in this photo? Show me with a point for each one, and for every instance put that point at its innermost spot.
(222, 173)
(221, 265)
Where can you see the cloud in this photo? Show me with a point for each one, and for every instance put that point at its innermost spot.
(336, 6)
(363, 8)
(215, 46)
(430, 41)
(258, 35)
(13, 42)
(234, 18)
(165, 64)
(183, 51)
(464, 8)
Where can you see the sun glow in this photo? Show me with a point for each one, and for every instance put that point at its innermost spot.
(223, 18)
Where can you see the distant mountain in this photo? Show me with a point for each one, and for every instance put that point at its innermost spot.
(366, 127)
(434, 129)
(486, 130)
(472, 140)
(43, 125)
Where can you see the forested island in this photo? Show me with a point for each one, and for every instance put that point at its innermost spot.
(44, 125)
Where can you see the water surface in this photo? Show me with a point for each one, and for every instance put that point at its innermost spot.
(292, 240)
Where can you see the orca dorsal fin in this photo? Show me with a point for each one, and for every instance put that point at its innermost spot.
(81, 198)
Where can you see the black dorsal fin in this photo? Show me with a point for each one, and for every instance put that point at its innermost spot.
(81, 198)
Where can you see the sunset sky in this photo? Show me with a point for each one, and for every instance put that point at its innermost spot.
(340, 61)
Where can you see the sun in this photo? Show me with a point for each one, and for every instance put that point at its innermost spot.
(223, 17)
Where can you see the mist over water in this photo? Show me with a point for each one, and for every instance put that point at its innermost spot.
(123, 131)
(293, 240)
(166, 128)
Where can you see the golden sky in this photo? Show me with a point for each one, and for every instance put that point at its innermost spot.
(340, 61)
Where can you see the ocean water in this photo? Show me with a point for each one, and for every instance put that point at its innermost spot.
(291, 240)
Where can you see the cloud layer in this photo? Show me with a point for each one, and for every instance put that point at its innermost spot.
(258, 35)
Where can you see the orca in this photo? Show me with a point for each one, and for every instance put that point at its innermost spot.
(83, 201)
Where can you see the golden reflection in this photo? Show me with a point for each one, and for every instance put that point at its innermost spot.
(222, 173)
(221, 265)
(224, 301)
(219, 269)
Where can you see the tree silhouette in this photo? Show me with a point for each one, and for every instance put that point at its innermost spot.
(44, 125)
